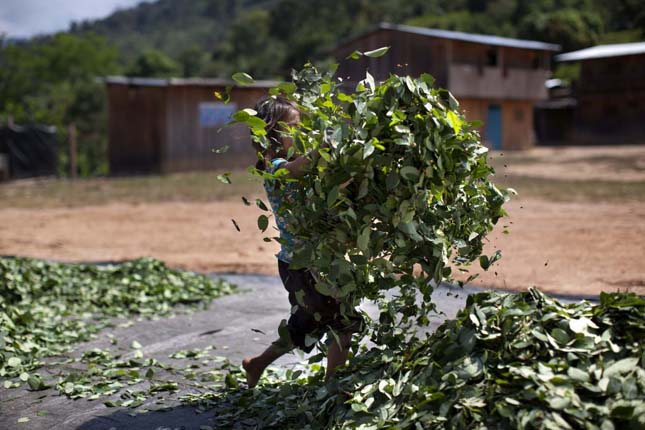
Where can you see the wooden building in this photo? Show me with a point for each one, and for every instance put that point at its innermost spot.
(553, 118)
(496, 79)
(610, 94)
(172, 125)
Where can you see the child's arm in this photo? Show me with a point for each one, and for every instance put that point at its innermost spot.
(298, 166)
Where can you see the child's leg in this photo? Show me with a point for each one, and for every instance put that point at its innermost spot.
(256, 365)
(292, 333)
(337, 354)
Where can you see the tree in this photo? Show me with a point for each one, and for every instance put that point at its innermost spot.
(626, 15)
(53, 81)
(191, 61)
(572, 29)
(153, 64)
(251, 47)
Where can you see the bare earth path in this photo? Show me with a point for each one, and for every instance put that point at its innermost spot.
(568, 248)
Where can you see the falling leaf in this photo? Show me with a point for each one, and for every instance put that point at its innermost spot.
(224, 178)
(243, 78)
(377, 52)
(263, 222)
(221, 150)
(235, 224)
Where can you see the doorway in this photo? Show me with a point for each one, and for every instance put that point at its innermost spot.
(494, 126)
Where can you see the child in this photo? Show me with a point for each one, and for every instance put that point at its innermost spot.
(316, 313)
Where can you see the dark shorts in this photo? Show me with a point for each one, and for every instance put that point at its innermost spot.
(312, 313)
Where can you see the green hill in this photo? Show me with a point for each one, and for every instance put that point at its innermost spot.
(268, 37)
(171, 26)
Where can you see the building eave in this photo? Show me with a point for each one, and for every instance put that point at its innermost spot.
(482, 39)
(185, 82)
(603, 51)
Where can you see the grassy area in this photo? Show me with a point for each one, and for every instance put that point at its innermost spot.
(204, 187)
(607, 184)
(189, 187)
(562, 190)
(621, 163)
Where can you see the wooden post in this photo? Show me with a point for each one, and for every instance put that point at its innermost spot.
(72, 150)
(10, 121)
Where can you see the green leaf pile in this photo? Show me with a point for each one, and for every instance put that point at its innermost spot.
(508, 361)
(399, 195)
(47, 307)
(142, 383)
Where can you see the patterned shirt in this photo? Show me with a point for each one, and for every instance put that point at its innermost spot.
(277, 196)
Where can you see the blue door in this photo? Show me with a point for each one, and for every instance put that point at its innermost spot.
(494, 126)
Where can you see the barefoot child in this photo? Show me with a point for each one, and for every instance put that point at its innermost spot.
(313, 314)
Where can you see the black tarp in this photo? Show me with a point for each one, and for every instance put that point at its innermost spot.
(31, 150)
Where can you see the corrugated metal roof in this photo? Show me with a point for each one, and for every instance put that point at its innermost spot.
(205, 82)
(604, 51)
(484, 39)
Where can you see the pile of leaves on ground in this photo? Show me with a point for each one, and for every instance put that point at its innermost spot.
(508, 361)
(47, 307)
(398, 191)
(126, 378)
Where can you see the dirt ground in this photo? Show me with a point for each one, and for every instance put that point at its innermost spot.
(624, 163)
(576, 247)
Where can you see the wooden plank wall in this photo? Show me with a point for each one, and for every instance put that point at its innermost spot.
(517, 76)
(190, 146)
(517, 124)
(156, 129)
(517, 120)
(409, 54)
(476, 54)
(611, 101)
(136, 118)
(475, 110)
(414, 54)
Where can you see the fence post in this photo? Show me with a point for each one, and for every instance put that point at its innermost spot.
(72, 150)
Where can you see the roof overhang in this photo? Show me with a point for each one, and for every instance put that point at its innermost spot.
(604, 51)
(184, 82)
(483, 39)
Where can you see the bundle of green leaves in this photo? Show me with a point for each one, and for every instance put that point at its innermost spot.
(401, 188)
(46, 307)
(508, 361)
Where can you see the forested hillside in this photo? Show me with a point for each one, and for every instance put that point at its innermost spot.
(51, 79)
(172, 26)
(268, 37)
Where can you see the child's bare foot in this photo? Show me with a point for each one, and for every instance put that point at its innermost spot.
(253, 372)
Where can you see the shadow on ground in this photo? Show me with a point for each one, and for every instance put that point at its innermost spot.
(177, 418)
